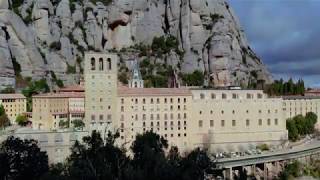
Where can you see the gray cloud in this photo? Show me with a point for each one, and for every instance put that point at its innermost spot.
(285, 34)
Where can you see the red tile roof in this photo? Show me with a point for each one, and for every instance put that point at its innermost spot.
(72, 88)
(60, 95)
(12, 96)
(125, 91)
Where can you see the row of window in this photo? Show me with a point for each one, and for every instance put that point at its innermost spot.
(165, 135)
(101, 64)
(234, 96)
(247, 111)
(156, 116)
(179, 123)
(234, 123)
(156, 100)
(156, 109)
(101, 117)
(12, 100)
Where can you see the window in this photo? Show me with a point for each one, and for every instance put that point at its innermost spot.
(144, 117)
(109, 63)
(249, 96)
(178, 100)
(276, 121)
(202, 96)
(151, 100)
(234, 96)
(269, 122)
(93, 64)
(247, 122)
(184, 115)
(109, 117)
(171, 116)
(213, 96)
(222, 123)
(165, 100)
(100, 64)
(260, 122)
(122, 108)
(122, 101)
(211, 123)
(200, 124)
(158, 100)
(224, 96)
(101, 117)
(233, 122)
(259, 96)
(143, 101)
(184, 100)
(93, 117)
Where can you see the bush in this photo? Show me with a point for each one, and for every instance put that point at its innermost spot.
(21, 120)
(194, 79)
(300, 125)
(71, 69)
(78, 124)
(263, 147)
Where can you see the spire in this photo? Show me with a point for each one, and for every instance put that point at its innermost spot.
(136, 78)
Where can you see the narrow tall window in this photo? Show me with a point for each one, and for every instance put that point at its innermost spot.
(109, 63)
(93, 64)
(100, 64)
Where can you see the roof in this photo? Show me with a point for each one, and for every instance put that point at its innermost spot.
(73, 88)
(313, 91)
(12, 96)
(299, 97)
(60, 95)
(125, 91)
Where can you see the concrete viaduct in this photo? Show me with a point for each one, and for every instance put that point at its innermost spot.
(266, 162)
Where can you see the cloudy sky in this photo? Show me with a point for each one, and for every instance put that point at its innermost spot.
(285, 34)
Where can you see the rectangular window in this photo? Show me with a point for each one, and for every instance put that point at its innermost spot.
(211, 123)
(276, 121)
(260, 122)
(101, 117)
(93, 117)
(247, 122)
(222, 123)
(109, 117)
(200, 124)
(233, 122)
(269, 122)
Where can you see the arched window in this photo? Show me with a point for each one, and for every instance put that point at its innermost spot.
(135, 84)
(109, 63)
(93, 64)
(100, 64)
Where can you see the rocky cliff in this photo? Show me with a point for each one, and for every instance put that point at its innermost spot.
(47, 38)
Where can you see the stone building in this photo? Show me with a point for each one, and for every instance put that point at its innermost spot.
(14, 105)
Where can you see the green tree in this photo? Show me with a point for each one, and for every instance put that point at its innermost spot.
(79, 124)
(4, 120)
(8, 90)
(293, 133)
(96, 159)
(22, 120)
(2, 110)
(24, 159)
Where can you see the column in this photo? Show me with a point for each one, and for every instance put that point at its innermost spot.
(228, 174)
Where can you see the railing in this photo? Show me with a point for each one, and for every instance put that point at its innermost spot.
(265, 158)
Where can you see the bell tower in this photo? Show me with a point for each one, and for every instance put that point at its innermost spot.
(100, 73)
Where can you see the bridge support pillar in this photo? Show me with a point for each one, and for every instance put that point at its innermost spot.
(228, 174)
(253, 170)
(265, 171)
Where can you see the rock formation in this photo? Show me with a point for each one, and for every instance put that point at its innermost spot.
(51, 36)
